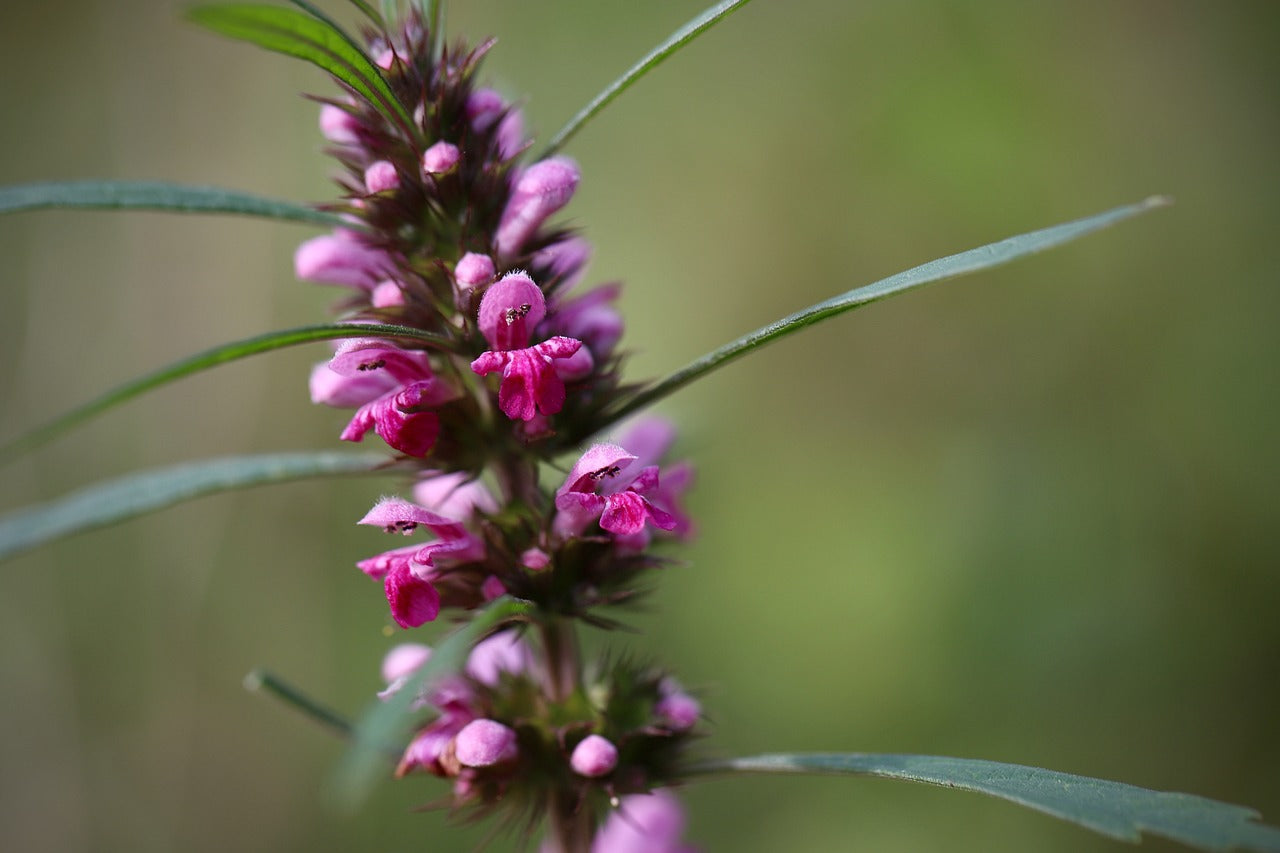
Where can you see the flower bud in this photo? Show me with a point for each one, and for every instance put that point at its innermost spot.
(381, 176)
(339, 126)
(473, 270)
(483, 743)
(594, 757)
(440, 158)
(404, 660)
(544, 188)
(679, 711)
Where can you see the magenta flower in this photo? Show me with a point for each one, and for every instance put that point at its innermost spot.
(407, 572)
(509, 311)
(400, 414)
(597, 488)
(594, 757)
(484, 743)
(541, 190)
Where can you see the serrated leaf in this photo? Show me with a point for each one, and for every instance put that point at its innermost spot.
(382, 732)
(203, 361)
(1111, 808)
(308, 38)
(647, 63)
(155, 195)
(974, 260)
(147, 491)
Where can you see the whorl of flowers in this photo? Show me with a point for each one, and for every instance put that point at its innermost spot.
(451, 233)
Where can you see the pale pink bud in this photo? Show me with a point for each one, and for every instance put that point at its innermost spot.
(535, 559)
(385, 59)
(544, 188)
(474, 270)
(387, 295)
(483, 108)
(593, 757)
(679, 711)
(381, 176)
(483, 743)
(339, 126)
(504, 652)
(404, 660)
(643, 823)
(440, 158)
(492, 588)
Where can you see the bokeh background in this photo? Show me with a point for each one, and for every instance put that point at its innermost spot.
(1028, 516)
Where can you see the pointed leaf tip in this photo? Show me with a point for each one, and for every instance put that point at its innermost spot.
(1114, 809)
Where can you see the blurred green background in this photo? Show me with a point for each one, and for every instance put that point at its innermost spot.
(1029, 516)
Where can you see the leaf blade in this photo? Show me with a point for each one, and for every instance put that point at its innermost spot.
(1114, 809)
(691, 30)
(963, 263)
(155, 195)
(384, 727)
(304, 37)
(144, 492)
(203, 361)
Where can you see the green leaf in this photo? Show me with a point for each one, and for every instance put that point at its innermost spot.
(974, 260)
(651, 60)
(260, 680)
(383, 730)
(316, 41)
(156, 195)
(203, 361)
(1111, 808)
(147, 491)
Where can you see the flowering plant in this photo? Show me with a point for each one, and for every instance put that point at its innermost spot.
(470, 346)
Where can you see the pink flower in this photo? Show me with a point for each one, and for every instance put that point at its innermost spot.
(541, 190)
(407, 572)
(340, 258)
(400, 414)
(455, 495)
(594, 757)
(644, 823)
(509, 311)
(484, 743)
(678, 710)
(504, 652)
(530, 384)
(597, 488)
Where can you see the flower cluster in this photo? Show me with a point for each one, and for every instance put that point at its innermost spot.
(505, 365)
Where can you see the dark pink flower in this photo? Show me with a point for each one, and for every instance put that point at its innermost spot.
(400, 415)
(530, 384)
(407, 572)
(597, 488)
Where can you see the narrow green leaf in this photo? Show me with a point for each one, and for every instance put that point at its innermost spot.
(156, 195)
(383, 730)
(651, 60)
(147, 491)
(260, 680)
(299, 35)
(974, 260)
(1110, 808)
(203, 361)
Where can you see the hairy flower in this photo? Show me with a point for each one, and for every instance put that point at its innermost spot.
(597, 488)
